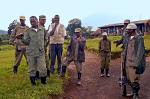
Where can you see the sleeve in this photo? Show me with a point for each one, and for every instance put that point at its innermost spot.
(49, 29)
(140, 50)
(26, 38)
(63, 31)
(46, 38)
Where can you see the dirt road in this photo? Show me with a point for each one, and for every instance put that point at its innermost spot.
(96, 87)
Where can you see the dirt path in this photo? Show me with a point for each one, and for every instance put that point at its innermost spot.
(96, 87)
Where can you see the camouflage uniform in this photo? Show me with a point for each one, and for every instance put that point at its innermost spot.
(46, 46)
(35, 41)
(20, 48)
(105, 53)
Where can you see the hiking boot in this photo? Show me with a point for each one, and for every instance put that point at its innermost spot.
(32, 79)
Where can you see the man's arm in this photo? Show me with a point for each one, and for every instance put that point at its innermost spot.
(52, 30)
(26, 38)
(140, 50)
(118, 42)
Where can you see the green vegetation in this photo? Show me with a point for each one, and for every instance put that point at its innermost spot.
(92, 44)
(19, 86)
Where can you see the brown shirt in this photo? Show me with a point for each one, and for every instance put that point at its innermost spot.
(17, 41)
(131, 53)
(105, 47)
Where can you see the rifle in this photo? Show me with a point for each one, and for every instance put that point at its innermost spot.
(124, 80)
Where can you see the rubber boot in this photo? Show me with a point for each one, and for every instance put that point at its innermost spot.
(135, 88)
(32, 79)
(43, 80)
(102, 72)
(48, 73)
(37, 75)
(79, 79)
(15, 69)
(107, 72)
(63, 72)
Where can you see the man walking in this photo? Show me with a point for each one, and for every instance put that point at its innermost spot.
(57, 33)
(15, 39)
(35, 41)
(75, 52)
(105, 53)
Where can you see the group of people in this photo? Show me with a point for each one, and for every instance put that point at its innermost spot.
(132, 57)
(36, 42)
(33, 42)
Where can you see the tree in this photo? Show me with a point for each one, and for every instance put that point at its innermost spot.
(12, 26)
(72, 24)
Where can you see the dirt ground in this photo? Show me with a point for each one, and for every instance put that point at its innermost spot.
(95, 87)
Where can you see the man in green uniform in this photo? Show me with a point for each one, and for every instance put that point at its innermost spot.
(42, 21)
(15, 40)
(35, 41)
(105, 53)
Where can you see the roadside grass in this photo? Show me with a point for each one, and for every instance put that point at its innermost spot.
(19, 86)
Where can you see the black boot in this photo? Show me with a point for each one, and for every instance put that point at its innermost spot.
(48, 73)
(102, 72)
(15, 69)
(79, 79)
(43, 80)
(135, 88)
(63, 72)
(32, 79)
(37, 75)
(107, 72)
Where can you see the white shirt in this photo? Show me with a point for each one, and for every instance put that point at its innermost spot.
(59, 34)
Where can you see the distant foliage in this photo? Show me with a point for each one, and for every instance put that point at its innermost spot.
(12, 26)
(72, 24)
(4, 37)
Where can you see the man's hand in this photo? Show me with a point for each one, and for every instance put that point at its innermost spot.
(116, 42)
(79, 39)
(19, 36)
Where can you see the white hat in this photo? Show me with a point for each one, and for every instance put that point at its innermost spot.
(104, 33)
(131, 26)
(78, 30)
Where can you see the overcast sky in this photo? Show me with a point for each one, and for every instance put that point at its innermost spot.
(111, 10)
